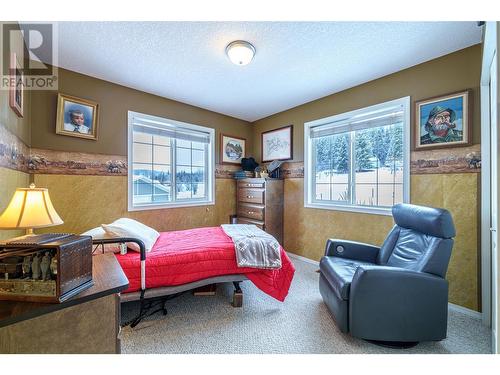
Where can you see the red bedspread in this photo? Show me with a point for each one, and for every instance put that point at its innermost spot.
(186, 256)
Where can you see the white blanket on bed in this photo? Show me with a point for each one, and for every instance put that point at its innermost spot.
(254, 247)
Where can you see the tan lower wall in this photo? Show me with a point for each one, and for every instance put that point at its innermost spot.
(10, 180)
(85, 202)
(307, 229)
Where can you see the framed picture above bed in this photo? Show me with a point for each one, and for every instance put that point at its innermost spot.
(277, 144)
(232, 149)
(76, 117)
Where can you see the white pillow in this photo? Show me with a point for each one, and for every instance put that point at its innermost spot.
(98, 234)
(131, 228)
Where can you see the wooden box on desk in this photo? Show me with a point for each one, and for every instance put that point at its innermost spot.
(70, 269)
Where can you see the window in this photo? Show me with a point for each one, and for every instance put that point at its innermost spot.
(171, 163)
(359, 161)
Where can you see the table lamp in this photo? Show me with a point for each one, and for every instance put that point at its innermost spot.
(29, 208)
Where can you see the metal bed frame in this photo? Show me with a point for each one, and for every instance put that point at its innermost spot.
(154, 300)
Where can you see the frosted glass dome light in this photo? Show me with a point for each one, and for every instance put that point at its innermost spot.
(240, 52)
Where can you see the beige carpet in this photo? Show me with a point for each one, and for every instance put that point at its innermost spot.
(302, 324)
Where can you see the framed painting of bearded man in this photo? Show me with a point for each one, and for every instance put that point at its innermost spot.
(443, 121)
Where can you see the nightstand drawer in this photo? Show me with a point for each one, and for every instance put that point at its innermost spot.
(251, 195)
(251, 211)
(251, 184)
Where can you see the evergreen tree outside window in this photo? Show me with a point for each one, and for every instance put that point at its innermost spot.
(359, 161)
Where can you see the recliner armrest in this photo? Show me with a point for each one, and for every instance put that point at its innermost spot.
(351, 250)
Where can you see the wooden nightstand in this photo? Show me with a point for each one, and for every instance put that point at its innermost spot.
(86, 323)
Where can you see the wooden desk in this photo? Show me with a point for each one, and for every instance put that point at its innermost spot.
(86, 323)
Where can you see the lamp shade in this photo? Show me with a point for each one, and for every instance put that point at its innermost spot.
(29, 208)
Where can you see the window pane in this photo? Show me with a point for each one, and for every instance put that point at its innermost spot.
(143, 153)
(142, 170)
(386, 195)
(198, 146)
(363, 150)
(142, 192)
(142, 137)
(183, 182)
(183, 174)
(161, 193)
(198, 174)
(340, 192)
(366, 194)
(160, 140)
(332, 167)
(198, 190)
(398, 193)
(323, 192)
(198, 158)
(162, 174)
(183, 191)
(323, 177)
(379, 162)
(161, 155)
(340, 177)
(183, 156)
(183, 143)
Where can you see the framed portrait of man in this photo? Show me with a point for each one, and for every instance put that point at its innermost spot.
(76, 117)
(443, 121)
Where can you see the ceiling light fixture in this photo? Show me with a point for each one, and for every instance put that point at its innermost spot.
(240, 52)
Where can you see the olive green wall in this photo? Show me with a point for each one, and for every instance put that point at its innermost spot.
(450, 73)
(114, 103)
(88, 201)
(19, 127)
(306, 229)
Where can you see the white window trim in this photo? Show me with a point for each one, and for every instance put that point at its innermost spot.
(308, 159)
(182, 203)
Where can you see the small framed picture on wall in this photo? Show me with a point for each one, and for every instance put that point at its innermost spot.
(277, 144)
(16, 90)
(76, 117)
(232, 149)
(443, 121)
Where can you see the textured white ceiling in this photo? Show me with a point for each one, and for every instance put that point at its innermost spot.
(296, 62)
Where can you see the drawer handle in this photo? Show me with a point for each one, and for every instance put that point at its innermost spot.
(250, 212)
(250, 196)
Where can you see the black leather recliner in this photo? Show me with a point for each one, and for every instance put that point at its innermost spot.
(395, 293)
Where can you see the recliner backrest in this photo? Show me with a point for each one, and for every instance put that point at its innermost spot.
(421, 240)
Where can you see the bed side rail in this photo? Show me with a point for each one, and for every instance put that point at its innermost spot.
(142, 248)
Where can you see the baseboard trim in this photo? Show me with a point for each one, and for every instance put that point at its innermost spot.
(465, 310)
(304, 259)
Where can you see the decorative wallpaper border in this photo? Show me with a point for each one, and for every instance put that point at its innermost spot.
(450, 160)
(76, 163)
(14, 154)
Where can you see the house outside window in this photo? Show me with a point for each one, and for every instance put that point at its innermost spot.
(359, 161)
(170, 163)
